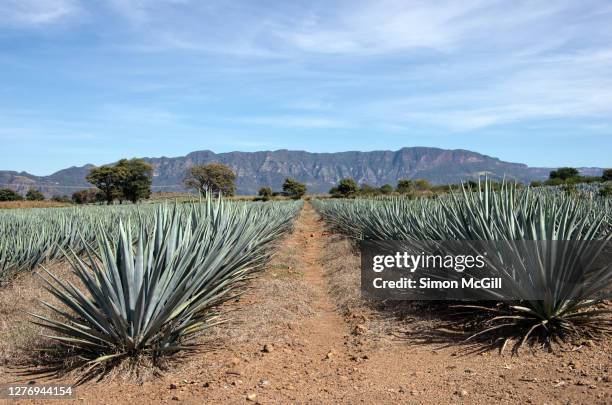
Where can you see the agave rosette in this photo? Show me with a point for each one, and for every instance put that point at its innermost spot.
(154, 293)
(511, 215)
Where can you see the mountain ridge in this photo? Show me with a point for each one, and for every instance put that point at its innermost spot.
(319, 170)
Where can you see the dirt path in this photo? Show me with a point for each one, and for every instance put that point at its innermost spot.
(290, 344)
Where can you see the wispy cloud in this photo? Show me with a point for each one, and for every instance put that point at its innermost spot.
(559, 87)
(383, 26)
(35, 13)
(370, 72)
(296, 121)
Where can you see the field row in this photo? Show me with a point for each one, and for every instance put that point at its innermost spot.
(545, 239)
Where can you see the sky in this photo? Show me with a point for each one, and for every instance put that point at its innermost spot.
(86, 81)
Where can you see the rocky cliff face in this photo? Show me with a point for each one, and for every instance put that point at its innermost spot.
(320, 171)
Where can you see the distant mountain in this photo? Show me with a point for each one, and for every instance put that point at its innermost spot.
(320, 171)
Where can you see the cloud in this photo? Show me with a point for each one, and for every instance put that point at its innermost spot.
(387, 65)
(35, 13)
(384, 26)
(295, 121)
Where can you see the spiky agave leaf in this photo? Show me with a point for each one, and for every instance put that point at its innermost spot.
(511, 215)
(562, 231)
(29, 237)
(152, 294)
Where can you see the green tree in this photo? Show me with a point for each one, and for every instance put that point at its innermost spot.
(606, 191)
(34, 195)
(536, 183)
(214, 177)
(265, 193)
(422, 185)
(294, 189)
(404, 186)
(366, 189)
(607, 175)
(6, 194)
(135, 179)
(346, 188)
(108, 180)
(564, 173)
(554, 182)
(87, 196)
(386, 189)
(61, 198)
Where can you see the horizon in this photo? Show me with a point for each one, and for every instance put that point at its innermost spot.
(288, 150)
(90, 83)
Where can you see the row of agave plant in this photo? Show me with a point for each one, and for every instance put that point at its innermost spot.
(147, 291)
(510, 214)
(29, 237)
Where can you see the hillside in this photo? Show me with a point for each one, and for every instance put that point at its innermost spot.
(320, 171)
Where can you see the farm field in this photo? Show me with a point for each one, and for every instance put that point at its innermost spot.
(306, 202)
(301, 334)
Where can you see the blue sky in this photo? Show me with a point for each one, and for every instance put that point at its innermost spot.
(94, 81)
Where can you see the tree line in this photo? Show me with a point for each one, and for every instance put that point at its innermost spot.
(127, 180)
(571, 175)
(218, 178)
(348, 187)
(131, 179)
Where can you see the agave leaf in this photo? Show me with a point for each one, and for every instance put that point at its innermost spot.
(153, 293)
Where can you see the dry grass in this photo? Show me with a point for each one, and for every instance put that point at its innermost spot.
(342, 266)
(18, 336)
(341, 263)
(382, 319)
(32, 204)
(273, 303)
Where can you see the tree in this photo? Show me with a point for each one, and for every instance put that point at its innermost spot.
(554, 182)
(607, 175)
(108, 180)
(135, 178)
(214, 177)
(422, 185)
(34, 195)
(87, 196)
(346, 188)
(564, 173)
(61, 198)
(265, 193)
(536, 183)
(386, 189)
(6, 194)
(366, 189)
(294, 189)
(404, 186)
